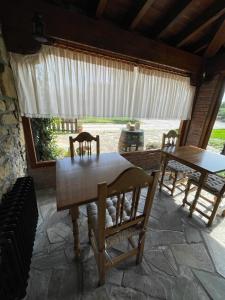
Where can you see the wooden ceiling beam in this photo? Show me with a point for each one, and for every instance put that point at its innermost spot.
(217, 41)
(200, 24)
(98, 34)
(200, 48)
(202, 43)
(144, 9)
(172, 17)
(101, 7)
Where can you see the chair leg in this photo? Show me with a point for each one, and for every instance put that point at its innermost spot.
(163, 174)
(174, 182)
(141, 243)
(214, 200)
(186, 192)
(214, 210)
(101, 265)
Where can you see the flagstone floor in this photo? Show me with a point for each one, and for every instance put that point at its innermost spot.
(183, 259)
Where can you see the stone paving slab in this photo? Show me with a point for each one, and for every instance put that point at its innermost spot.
(174, 249)
(155, 238)
(38, 285)
(194, 255)
(192, 235)
(160, 261)
(217, 252)
(59, 233)
(214, 285)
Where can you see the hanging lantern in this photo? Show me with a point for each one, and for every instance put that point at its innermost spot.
(38, 28)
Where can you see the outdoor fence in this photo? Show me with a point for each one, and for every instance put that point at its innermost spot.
(65, 125)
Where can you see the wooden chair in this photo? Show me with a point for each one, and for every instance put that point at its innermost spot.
(114, 218)
(176, 169)
(85, 143)
(214, 185)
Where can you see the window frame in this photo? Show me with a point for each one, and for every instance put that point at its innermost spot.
(29, 139)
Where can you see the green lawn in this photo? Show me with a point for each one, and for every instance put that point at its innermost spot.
(218, 134)
(217, 138)
(107, 120)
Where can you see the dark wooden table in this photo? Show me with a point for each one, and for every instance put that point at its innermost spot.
(77, 179)
(200, 160)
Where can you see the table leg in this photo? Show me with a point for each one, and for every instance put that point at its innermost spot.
(74, 211)
(164, 161)
(202, 179)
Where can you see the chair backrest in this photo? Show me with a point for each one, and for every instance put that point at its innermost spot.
(128, 213)
(170, 139)
(85, 144)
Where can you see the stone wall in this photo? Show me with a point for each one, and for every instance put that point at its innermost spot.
(12, 145)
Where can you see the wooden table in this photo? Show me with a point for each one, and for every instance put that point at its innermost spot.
(77, 179)
(200, 160)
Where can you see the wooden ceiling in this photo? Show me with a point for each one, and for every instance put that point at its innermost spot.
(179, 34)
(196, 26)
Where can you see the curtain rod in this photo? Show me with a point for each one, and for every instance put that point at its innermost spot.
(117, 57)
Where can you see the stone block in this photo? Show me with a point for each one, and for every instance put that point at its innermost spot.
(7, 83)
(3, 51)
(3, 132)
(4, 171)
(8, 146)
(9, 119)
(10, 104)
(21, 135)
(2, 106)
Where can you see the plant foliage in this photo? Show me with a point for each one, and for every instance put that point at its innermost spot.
(45, 138)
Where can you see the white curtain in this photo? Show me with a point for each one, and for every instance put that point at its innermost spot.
(161, 95)
(64, 83)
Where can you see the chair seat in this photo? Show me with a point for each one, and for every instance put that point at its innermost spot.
(213, 183)
(110, 220)
(178, 167)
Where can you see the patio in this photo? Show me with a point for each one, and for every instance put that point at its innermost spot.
(182, 260)
(156, 60)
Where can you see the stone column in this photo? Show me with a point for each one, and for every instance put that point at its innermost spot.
(12, 145)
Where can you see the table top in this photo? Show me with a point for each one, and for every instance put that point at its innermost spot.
(77, 178)
(197, 158)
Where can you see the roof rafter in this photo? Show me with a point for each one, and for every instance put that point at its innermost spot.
(141, 14)
(217, 41)
(169, 20)
(206, 19)
(199, 49)
(101, 7)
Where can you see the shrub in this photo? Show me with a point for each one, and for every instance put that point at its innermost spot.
(45, 138)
